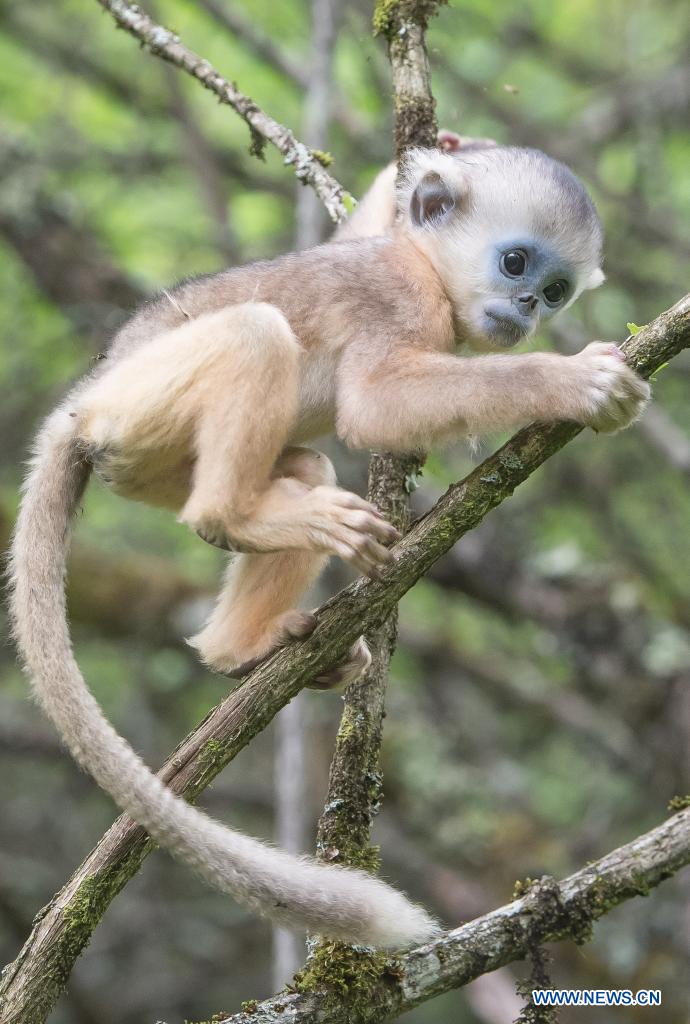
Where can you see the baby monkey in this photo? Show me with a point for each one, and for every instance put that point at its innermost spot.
(204, 405)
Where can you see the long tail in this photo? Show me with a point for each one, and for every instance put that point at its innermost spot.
(337, 902)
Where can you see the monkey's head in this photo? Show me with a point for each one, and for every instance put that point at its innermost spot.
(513, 233)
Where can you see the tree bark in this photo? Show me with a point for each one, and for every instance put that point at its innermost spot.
(355, 782)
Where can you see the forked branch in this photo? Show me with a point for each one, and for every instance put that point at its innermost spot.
(550, 911)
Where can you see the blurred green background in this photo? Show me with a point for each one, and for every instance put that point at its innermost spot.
(539, 709)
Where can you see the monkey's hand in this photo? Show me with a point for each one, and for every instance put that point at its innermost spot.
(609, 395)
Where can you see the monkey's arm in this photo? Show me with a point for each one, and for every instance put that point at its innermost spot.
(417, 398)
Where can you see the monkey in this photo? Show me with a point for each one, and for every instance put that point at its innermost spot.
(205, 406)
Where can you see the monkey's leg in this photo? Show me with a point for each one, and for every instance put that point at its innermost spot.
(196, 418)
(246, 406)
(255, 613)
(206, 407)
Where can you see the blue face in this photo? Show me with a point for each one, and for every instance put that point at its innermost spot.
(529, 282)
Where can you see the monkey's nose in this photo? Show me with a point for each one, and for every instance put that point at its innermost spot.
(526, 303)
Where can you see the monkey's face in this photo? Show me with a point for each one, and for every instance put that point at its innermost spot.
(504, 285)
(513, 234)
(526, 281)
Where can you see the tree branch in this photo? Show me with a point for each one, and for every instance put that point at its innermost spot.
(296, 71)
(30, 986)
(403, 24)
(355, 784)
(548, 912)
(165, 44)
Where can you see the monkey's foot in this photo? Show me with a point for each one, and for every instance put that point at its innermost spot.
(293, 625)
(323, 518)
(236, 659)
(346, 525)
(359, 660)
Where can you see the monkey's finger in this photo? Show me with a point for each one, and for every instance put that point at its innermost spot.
(358, 561)
(366, 548)
(347, 499)
(364, 522)
(360, 564)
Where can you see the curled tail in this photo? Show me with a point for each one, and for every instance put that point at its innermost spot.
(338, 902)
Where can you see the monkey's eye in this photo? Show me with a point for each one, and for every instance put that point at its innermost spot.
(556, 292)
(513, 263)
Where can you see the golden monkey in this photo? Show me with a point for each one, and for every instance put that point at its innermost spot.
(206, 401)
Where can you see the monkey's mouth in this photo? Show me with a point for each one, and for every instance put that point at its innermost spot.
(505, 328)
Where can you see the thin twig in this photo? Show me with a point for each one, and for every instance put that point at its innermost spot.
(167, 45)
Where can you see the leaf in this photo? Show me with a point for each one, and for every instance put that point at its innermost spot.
(633, 329)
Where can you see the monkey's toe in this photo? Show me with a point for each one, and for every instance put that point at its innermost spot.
(359, 660)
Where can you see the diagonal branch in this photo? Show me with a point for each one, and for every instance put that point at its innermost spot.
(550, 911)
(296, 71)
(167, 45)
(30, 986)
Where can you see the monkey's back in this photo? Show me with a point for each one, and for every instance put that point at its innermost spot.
(377, 285)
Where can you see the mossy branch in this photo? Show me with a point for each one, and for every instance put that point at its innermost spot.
(355, 781)
(308, 164)
(549, 911)
(403, 24)
(30, 986)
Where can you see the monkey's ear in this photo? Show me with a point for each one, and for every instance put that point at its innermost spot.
(432, 201)
(596, 278)
(449, 142)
